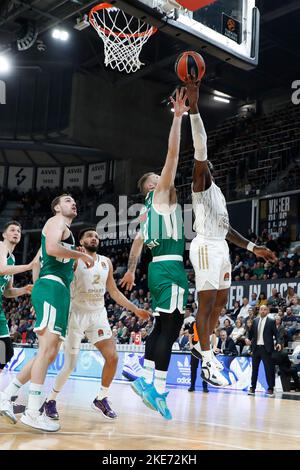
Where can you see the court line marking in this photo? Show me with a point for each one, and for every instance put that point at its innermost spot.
(119, 435)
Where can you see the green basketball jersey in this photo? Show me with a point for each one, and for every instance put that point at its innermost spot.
(61, 267)
(162, 233)
(4, 280)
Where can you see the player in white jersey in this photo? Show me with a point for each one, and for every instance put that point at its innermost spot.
(209, 252)
(88, 317)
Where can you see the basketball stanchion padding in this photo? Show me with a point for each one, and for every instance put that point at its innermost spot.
(194, 5)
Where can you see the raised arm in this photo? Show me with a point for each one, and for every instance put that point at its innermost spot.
(260, 251)
(127, 280)
(120, 298)
(201, 173)
(167, 178)
(5, 269)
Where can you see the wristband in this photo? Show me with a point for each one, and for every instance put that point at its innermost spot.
(251, 246)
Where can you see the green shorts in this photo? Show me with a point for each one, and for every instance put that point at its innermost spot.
(168, 285)
(51, 302)
(4, 331)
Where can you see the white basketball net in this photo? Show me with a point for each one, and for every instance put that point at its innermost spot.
(123, 37)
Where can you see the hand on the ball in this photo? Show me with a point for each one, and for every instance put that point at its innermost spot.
(179, 103)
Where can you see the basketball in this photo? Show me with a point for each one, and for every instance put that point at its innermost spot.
(188, 62)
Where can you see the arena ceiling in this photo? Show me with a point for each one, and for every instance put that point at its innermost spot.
(278, 63)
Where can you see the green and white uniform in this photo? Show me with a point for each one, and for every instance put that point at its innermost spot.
(4, 280)
(164, 235)
(51, 292)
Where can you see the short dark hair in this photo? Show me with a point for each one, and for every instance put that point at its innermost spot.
(142, 180)
(56, 201)
(12, 222)
(84, 230)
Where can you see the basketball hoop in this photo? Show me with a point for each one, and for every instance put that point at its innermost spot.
(123, 36)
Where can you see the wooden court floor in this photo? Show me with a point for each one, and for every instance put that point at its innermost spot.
(219, 420)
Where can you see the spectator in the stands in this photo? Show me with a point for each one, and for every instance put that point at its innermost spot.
(226, 345)
(253, 300)
(244, 309)
(236, 310)
(281, 331)
(228, 327)
(238, 333)
(223, 316)
(295, 305)
(289, 294)
(289, 322)
(262, 300)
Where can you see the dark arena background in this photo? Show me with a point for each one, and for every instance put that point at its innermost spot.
(81, 120)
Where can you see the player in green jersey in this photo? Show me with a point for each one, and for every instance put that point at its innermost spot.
(11, 237)
(51, 301)
(162, 231)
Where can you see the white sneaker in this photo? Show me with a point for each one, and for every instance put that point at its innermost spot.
(41, 422)
(212, 375)
(6, 409)
(216, 362)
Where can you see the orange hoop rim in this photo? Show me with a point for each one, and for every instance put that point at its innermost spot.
(107, 32)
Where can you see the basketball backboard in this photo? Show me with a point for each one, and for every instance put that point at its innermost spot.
(227, 29)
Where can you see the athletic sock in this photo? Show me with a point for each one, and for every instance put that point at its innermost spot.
(53, 395)
(160, 379)
(12, 390)
(34, 399)
(103, 393)
(148, 371)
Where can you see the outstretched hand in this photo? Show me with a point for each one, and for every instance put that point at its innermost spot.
(265, 253)
(192, 89)
(179, 104)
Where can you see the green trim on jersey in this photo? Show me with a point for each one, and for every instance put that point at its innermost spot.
(162, 233)
(4, 280)
(61, 267)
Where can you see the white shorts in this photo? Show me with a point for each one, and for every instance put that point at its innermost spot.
(94, 325)
(211, 263)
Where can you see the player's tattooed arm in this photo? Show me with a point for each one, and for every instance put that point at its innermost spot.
(127, 280)
(260, 251)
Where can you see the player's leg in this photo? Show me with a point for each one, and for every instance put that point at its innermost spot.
(146, 379)
(155, 396)
(6, 406)
(72, 343)
(221, 301)
(49, 344)
(107, 348)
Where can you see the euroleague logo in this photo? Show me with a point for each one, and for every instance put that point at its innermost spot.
(100, 332)
(226, 277)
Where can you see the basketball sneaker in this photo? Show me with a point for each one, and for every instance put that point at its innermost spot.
(218, 364)
(251, 391)
(38, 421)
(6, 409)
(157, 401)
(132, 368)
(212, 375)
(103, 406)
(139, 386)
(49, 408)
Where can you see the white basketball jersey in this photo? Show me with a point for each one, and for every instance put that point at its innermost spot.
(89, 286)
(211, 216)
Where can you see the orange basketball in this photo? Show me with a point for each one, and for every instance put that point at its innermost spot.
(188, 62)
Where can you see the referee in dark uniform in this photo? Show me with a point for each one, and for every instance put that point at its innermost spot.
(193, 339)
